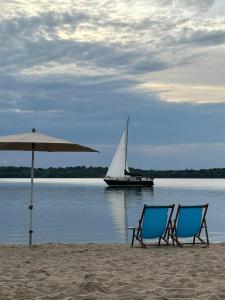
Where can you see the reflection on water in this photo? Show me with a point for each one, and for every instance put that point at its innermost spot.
(119, 199)
(85, 210)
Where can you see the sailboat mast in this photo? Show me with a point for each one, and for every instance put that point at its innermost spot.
(126, 144)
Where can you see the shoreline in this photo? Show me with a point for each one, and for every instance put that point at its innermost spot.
(111, 271)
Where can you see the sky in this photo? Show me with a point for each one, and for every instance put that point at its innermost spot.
(77, 69)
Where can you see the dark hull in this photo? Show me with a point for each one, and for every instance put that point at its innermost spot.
(129, 182)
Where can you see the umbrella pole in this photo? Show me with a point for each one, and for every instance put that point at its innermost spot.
(31, 196)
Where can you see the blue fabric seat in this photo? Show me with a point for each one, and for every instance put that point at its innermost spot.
(189, 223)
(154, 223)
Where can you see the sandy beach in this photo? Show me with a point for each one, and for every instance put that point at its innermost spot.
(103, 271)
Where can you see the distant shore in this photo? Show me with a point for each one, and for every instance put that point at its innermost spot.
(99, 172)
(111, 271)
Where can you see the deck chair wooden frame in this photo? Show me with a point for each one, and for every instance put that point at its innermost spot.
(203, 226)
(137, 231)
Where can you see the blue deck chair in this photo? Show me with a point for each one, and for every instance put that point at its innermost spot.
(154, 223)
(189, 223)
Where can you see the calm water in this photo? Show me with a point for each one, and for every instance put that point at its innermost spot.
(85, 210)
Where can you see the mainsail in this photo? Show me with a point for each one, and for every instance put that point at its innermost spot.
(118, 164)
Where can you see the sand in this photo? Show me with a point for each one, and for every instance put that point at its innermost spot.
(98, 271)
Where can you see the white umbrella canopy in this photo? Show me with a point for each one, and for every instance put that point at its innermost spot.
(42, 142)
(34, 141)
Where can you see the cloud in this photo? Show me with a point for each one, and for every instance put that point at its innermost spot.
(202, 5)
(77, 70)
(182, 156)
(134, 36)
(204, 38)
(51, 39)
(161, 157)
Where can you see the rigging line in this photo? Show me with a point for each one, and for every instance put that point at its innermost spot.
(143, 162)
(125, 166)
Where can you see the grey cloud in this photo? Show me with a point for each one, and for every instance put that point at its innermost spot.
(29, 42)
(202, 5)
(33, 41)
(31, 25)
(182, 156)
(62, 97)
(68, 104)
(203, 37)
(26, 45)
(148, 65)
(93, 108)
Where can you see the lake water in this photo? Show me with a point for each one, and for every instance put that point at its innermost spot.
(85, 210)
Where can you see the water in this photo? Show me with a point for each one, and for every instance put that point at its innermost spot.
(85, 210)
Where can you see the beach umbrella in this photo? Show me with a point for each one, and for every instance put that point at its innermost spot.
(35, 141)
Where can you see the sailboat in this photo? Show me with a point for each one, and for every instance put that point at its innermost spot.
(118, 172)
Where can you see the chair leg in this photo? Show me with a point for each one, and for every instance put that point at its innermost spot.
(159, 241)
(173, 238)
(206, 233)
(140, 240)
(133, 235)
(200, 239)
(166, 236)
(193, 240)
(178, 243)
(169, 235)
(142, 244)
(173, 241)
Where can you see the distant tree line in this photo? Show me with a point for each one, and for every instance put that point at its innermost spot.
(68, 172)
(99, 172)
(187, 173)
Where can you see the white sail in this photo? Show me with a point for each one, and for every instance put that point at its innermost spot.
(119, 163)
(118, 172)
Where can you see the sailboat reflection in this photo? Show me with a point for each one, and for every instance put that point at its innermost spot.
(119, 199)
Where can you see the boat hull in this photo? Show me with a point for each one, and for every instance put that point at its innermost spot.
(129, 182)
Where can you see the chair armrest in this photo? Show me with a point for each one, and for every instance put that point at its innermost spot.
(132, 228)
